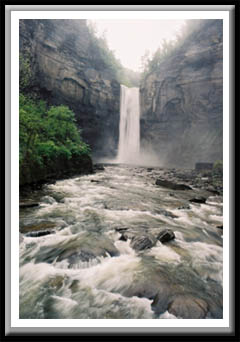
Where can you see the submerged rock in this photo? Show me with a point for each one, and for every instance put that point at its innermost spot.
(188, 307)
(173, 186)
(166, 235)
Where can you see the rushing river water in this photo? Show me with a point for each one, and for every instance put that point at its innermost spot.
(85, 269)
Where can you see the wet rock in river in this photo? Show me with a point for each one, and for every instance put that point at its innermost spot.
(123, 237)
(165, 213)
(82, 247)
(141, 242)
(184, 207)
(56, 282)
(36, 227)
(48, 200)
(188, 307)
(171, 194)
(23, 205)
(40, 233)
(81, 256)
(166, 235)
(220, 227)
(98, 167)
(171, 185)
(121, 229)
(198, 200)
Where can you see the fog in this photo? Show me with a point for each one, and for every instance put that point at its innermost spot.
(130, 39)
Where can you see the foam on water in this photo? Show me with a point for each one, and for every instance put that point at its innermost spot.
(167, 315)
(164, 254)
(109, 274)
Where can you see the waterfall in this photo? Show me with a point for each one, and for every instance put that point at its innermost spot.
(129, 128)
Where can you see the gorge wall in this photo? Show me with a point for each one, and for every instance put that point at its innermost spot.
(181, 102)
(67, 68)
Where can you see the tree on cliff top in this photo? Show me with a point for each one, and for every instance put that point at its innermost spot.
(105, 59)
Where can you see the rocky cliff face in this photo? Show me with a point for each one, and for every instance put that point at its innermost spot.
(181, 102)
(68, 69)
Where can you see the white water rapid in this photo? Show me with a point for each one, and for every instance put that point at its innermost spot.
(129, 128)
(86, 267)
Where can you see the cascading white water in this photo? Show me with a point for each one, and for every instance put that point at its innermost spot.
(129, 128)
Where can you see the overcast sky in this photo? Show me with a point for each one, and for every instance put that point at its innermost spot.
(129, 39)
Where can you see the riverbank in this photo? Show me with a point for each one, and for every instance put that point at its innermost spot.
(81, 165)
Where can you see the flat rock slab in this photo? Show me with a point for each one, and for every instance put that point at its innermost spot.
(171, 185)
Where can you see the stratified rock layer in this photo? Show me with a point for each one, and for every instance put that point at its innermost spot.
(68, 68)
(182, 101)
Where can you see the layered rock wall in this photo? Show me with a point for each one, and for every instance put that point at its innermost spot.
(68, 69)
(182, 101)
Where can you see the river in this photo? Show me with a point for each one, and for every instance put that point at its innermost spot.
(86, 266)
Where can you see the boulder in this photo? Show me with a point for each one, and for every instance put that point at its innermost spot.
(141, 242)
(166, 235)
(171, 185)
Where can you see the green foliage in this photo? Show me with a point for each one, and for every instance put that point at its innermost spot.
(47, 135)
(151, 64)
